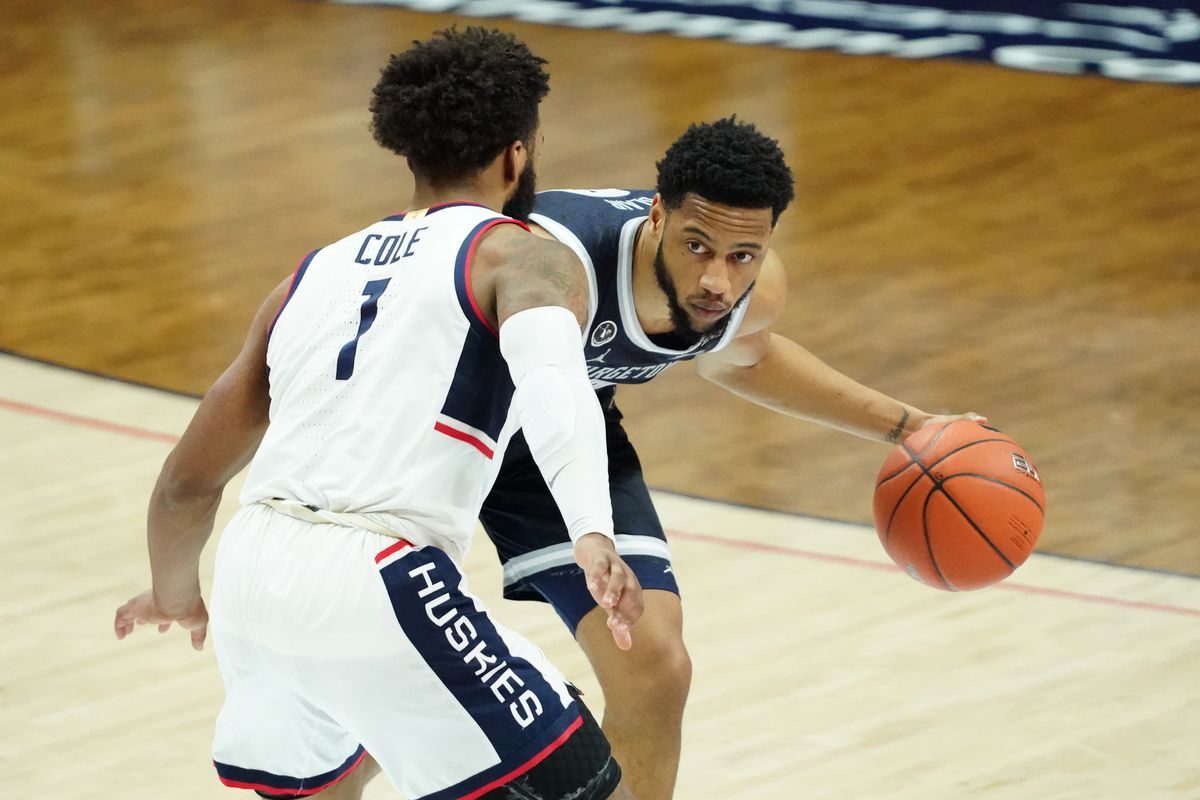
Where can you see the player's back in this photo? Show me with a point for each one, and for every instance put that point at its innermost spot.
(388, 390)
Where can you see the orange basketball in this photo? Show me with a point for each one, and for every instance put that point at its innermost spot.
(959, 506)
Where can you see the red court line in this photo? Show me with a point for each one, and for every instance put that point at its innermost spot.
(863, 563)
(795, 552)
(87, 422)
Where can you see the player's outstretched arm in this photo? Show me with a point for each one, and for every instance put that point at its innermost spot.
(537, 290)
(777, 373)
(218, 443)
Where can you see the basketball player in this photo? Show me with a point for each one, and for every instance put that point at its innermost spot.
(684, 272)
(373, 393)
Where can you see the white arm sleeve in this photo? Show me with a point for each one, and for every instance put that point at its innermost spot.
(560, 414)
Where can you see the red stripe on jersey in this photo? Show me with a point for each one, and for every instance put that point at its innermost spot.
(528, 765)
(467, 270)
(463, 436)
(387, 551)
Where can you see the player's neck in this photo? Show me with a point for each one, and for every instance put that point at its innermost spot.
(426, 195)
(648, 299)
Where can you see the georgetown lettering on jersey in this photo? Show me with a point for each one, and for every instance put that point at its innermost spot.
(601, 227)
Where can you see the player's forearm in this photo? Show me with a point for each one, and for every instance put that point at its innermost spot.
(791, 380)
(178, 525)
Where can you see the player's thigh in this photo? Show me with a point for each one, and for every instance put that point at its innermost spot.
(320, 623)
(271, 735)
(462, 703)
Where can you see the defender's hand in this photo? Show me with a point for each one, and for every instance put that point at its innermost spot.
(144, 610)
(612, 583)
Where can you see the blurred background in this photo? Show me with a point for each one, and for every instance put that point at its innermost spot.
(966, 236)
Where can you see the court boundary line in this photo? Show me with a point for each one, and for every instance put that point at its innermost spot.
(144, 433)
(864, 563)
(867, 527)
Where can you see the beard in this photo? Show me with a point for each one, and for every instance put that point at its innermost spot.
(686, 334)
(520, 205)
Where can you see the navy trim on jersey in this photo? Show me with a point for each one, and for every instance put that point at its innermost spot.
(242, 778)
(395, 217)
(481, 392)
(462, 647)
(297, 276)
(462, 275)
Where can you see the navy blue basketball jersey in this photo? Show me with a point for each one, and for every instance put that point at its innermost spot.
(601, 226)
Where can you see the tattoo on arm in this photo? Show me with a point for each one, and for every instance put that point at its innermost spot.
(544, 274)
(895, 433)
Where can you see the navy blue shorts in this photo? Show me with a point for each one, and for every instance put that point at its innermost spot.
(524, 523)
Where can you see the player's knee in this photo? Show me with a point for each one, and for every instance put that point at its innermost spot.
(671, 674)
(660, 678)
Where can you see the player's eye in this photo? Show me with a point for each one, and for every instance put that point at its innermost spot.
(696, 247)
(743, 258)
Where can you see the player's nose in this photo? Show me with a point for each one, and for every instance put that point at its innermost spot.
(715, 278)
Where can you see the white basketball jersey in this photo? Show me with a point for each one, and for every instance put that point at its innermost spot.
(388, 390)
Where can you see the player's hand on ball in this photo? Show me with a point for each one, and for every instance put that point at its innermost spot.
(942, 419)
(612, 583)
(144, 610)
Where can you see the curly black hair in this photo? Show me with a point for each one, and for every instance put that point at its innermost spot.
(453, 103)
(727, 162)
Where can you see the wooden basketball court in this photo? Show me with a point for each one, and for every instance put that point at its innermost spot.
(821, 670)
(965, 237)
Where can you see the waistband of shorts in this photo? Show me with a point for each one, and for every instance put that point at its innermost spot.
(393, 526)
(346, 519)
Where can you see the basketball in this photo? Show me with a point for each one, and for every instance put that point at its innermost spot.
(959, 506)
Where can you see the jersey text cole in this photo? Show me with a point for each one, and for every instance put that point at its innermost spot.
(388, 390)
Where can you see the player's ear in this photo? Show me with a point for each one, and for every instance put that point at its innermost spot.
(515, 157)
(658, 215)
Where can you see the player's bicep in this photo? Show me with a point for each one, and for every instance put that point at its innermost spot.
(231, 419)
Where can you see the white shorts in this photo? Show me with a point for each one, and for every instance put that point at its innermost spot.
(333, 640)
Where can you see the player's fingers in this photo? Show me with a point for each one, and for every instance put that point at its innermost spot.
(628, 608)
(119, 623)
(198, 635)
(631, 605)
(598, 576)
(620, 632)
(621, 582)
(163, 627)
(618, 578)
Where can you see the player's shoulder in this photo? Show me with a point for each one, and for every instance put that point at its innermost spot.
(513, 245)
(769, 297)
(566, 205)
